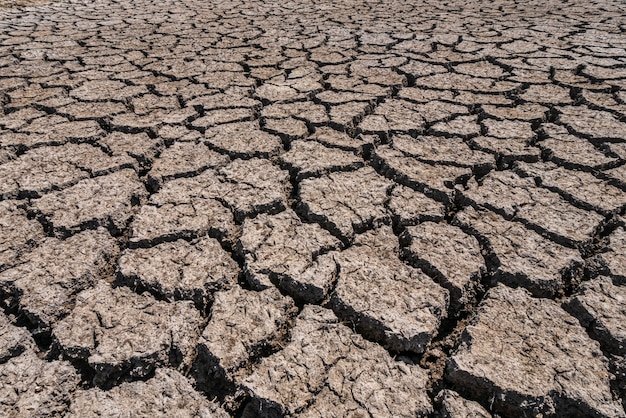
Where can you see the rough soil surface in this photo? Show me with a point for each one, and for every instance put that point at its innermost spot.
(530, 355)
(284, 250)
(185, 273)
(244, 326)
(316, 209)
(44, 285)
(326, 366)
(116, 332)
(455, 406)
(35, 387)
(167, 393)
(449, 255)
(384, 299)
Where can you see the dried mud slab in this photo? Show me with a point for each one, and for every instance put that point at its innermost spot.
(520, 256)
(45, 284)
(347, 115)
(450, 81)
(171, 134)
(508, 149)
(527, 355)
(282, 249)
(18, 234)
(248, 187)
(243, 140)
(96, 90)
(231, 98)
(548, 94)
(384, 299)
(308, 111)
(167, 394)
(454, 406)
(400, 115)
(277, 93)
(327, 370)
(32, 175)
(87, 157)
(287, 128)
(571, 151)
(346, 203)
(518, 198)
(32, 387)
(601, 307)
(191, 207)
(450, 151)
(43, 169)
(341, 140)
(108, 201)
(13, 340)
(579, 187)
(183, 159)
(244, 325)
(465, 126)
(312, 159)
(595, 124)
(183, 208)
(410, 207)
(615, 257)
(450, 256)
(254, 186)
(336, 98)
(179, 270)
(55, 130)
(525, 111)
(140, 147)
(116, 332)
(221, 116)
(505, 129)
(435, 181)
(78, 110)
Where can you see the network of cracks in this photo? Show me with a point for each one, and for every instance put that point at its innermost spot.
(312, 208)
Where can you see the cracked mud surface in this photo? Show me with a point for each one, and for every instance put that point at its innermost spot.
(312, 209)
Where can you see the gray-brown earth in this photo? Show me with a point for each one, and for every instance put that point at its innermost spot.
(312, 208)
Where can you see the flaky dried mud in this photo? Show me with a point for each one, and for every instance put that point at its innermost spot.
(312, 208)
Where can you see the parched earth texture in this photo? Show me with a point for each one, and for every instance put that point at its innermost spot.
(312, 208)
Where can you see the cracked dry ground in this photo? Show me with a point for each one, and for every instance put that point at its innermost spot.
(304, 208)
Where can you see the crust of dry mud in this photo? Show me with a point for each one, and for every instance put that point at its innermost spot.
(312, 208)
